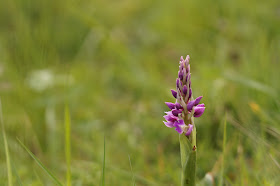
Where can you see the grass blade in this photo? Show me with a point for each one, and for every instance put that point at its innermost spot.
(68, 144)
(40, 164)
(103, 167)
(9, 169)
(251, 83)
(133, 178)
(17, 176)
(224, 147)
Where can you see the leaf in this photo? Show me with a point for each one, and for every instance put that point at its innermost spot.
(103, 167)
(223, 155)
(67, 122)
(185, 148)
(188, 161)
(40, 164)
(189, 170)
(8, 159)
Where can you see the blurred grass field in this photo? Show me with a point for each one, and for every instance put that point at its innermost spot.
(113, 63)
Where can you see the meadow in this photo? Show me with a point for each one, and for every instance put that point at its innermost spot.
(76, 74)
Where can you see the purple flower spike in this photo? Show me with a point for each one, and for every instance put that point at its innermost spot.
(185, 107)
(174, 93)
(189, 129)
(170, 105)
(198, 111)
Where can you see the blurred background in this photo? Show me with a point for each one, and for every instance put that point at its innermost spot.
(113, 63)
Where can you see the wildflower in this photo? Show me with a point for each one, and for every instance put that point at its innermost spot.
(185, 106)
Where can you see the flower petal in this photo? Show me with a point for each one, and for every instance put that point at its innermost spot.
(182, 58)
(190, 93)
(169, 124)
(185, 89)
(198, 111)
(180, 75)
(197, 100)
(175, 112)
(190, 105)
(180, 122)
(200, 105)
(170, 105)
(170, 117)
(189, 131)
(174, 93)
(178, 83)
(179, 129)
(178, 106)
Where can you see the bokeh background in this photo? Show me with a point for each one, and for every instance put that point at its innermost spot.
(113, 63)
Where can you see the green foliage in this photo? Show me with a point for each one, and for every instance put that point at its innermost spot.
(188, 161)
(40, 164)
(114, 62)
(67, 122)
(102, 181)
(8, 159)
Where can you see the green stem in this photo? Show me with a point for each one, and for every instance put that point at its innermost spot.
(188, 157)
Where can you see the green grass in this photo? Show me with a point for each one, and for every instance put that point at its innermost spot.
(224, 150)
(113, 63)
(102, 180)
(133, 176)
(51, 175)
(8, 160)
(68, 145)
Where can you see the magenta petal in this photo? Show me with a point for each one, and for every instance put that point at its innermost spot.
(190, 105)
(187, 58)
(170, 105)
(197, 100)
(174, 93)
(178, 106)
(187, 77)
(180, 75)
(182, 58)
(175, 112)
(189, 130)
(170, 118)
(188, 68)
(178, 82)
(180, 122)
(190, 93)
(200, 105)
(198, 111)
(178, 129)
(185, 89)
(169, 124)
